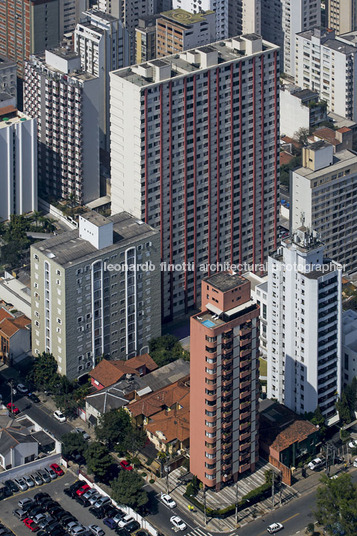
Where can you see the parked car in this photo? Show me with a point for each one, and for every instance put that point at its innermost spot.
(20, 514)
(11, 407)
(132, 526)
(30, 483)
(46, 521)
(122, 532)
(97, 531)
(167, 500)
(353, 444)
(4, 493)
(101, 502)
(44, 475)
(316, 464)
(83, 432)
(37, 479)
(41, 495)
(30, 524)
(118, 517)
(97, 512)
(125, 465)
(59, 416)
(22, 388)
(57, 469)
(24, 503)
(89, 493)
(66, 520)
(33, 398)
(38, 517)
(93, 498)
(109, 522)
(82, 501)
(11, 484)
(51, 473)
(82, 490)
(275, 527)
(177, 523)
(125, 520)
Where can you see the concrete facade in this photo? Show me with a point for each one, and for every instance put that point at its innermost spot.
(212, 115)
(8, 82)
(219, 6)
(82, 307)
(342, 15)
(349, 346)
(299, 108)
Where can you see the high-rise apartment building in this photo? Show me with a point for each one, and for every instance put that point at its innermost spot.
(179, 30)
(92, 294)
(145, 39)
(64, 99)
(327, 64)
(18, 157)
(70, 14)
(324, 198)
(219, 6)
(201, 129)
(103, 45)
(224, 372)
(281, 20)
(128, 12)
(342, 15)
(8, 83)
(244, 16)
(28, 27)
(304, 325)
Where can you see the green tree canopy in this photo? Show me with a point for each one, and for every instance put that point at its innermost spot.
(72, 443)
(127, 489)
(113, 427)
(344, 409)
(167, 349)
(44, 374)
(98, 459)
(336, 502)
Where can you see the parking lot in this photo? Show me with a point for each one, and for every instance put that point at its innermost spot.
(55, 490)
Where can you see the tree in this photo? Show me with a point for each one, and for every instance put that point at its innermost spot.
(344, 409)
(44, 374)
(114, 427)
(167, 349)
(310, 529)
(127, 489)
(301, 135)
(98, 459)
(132, 441)
(336, 502)
(73, 443)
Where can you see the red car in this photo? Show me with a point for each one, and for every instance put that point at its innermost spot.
(30, 524)
(13, 408)
(126, 465)
(83, 489)
(57, 469)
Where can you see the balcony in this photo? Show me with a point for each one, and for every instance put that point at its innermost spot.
(226, 403)
(244, 353)
(226, 456)
(227, 382)
(244, 426)
(245, 384)
(226, 414)
(244, 405)
(227, 445)
(244, 436)
(226, 425)
(226, 437)
(244, 394)
(245, 363)
(244, 331)
(244, 415)
(245, 373)
(244, 468)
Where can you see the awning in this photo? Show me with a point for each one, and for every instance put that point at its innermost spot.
(213, 309)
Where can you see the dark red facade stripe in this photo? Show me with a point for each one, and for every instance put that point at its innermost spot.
(275, 146)
(240, 168)
(170, 200)
(232, 167)
(161, 199)
(194, 193)
(218, 166)
(209, 168)
(262, 159)
(185, 178)
(254, 166)
(146, 156)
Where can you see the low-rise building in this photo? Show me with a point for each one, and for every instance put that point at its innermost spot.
(8, 82)
(299, 108)
(15, 336)
(285, 438)
(106, 373)
(341, 139)
(17, 446)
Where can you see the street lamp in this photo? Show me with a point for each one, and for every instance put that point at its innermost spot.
(167, 470)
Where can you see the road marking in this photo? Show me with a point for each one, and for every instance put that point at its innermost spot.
(291, 517)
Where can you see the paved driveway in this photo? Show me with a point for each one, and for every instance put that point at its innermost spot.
(55, 489)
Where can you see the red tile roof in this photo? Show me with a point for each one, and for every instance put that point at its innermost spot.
(296, 431)
(10, 326)
(343, 130)
(326, 134)
(173, 424)
(109, 372)
(4, 314)
(285, 158)
(7, 110)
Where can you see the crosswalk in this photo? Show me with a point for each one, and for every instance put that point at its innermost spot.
(197, 532)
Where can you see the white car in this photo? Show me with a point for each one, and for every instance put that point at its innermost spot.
(178, 523)
(168, 501)
(317, 462)
(59, 416)
(22, 389)
(97, 531)
(101, 501)
(126, 519)
(355, 463)
(353, 444)
(275, 527)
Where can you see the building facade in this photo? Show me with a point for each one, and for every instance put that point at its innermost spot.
(342, 15)
(328, 65)
(64, 99)
(92, 295)
(211, 114)
(304, 331)
(18, 157)
(224, 385)
(103, 46)
(179, 30)
(145, 39)
(324, 190)
(28, 27)
(244, 16)
(8, 82)
(299, 108)
(70, 14)
(349, 346)
(281, 20)
(219, 6)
